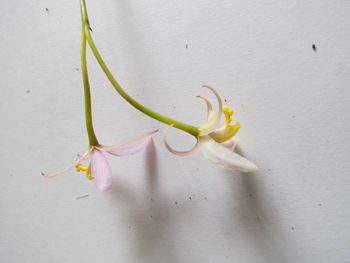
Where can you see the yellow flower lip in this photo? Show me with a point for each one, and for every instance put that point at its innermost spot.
(227, 131)
(224, 132)
(228, 113)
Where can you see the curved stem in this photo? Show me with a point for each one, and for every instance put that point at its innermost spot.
(87, 97)
(193, 130)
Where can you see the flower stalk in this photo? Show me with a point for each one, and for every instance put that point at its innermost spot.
(99, 169)
(193, 130)
(216, 142)
(87, 96)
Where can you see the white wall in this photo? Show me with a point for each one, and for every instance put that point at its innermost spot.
(293, 104)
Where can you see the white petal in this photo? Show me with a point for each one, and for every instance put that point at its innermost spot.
(230, 144)
(209, 108)
(213, 119)
(225, 157)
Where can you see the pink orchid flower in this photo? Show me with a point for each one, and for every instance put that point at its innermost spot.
(99, 169)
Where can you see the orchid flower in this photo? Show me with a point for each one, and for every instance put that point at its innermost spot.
(99, 169)
(216, 143)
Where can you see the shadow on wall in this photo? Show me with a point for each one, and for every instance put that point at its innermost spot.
(258, 218)
(152, 222)
(150, 218)
(125, 15)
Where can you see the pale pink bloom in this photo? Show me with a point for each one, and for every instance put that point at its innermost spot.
(99, 169)
(217, 141)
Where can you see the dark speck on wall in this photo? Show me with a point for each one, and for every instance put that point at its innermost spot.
(186, 46)
(28, 91)
(81, 197)
(292, 227)
(319, 204)
(176, 203)
(47, 10)
(190, 198)
(77, 69)
(314, 47)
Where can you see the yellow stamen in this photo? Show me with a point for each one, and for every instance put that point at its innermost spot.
(86, 169)
(228, 113)
(227, 131)
(88, 175)
(81, 167)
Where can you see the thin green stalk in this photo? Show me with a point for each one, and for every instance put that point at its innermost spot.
(87, 97)
(180, 125)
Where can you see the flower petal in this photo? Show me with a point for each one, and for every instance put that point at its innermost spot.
(100, 170)
(227, 130)
(132, 149)
(213, 119)
(128, 141)
(225, 133)
(76, 162)
(230, 144)
(209, 107)
(172, 150)
(223, 156)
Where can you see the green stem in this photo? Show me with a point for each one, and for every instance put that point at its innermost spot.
(87, 97)
(180, 125)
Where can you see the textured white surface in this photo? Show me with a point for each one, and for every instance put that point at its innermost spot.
(293, 103)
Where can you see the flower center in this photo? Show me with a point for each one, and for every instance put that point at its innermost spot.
(227, 131)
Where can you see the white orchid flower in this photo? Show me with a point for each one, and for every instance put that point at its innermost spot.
(217, 143)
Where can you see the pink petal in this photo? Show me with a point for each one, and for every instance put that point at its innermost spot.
(75, 163)
(132, 149)
(172, 150)
(100, 170)
(128, 141)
